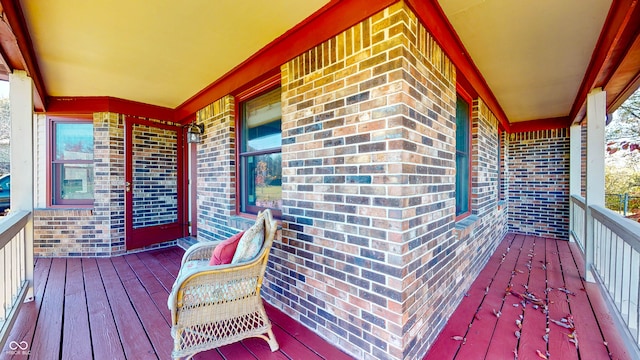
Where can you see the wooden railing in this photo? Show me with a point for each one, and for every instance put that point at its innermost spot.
(577, 213)
(614, 262)
(16, 275)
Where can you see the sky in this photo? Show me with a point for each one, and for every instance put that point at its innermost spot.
(4, 89)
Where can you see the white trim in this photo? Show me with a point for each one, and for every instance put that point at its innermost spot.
(575, 169)
(596, 122)
(22, 160)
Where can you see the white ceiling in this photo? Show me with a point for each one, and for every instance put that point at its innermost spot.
(532, 53)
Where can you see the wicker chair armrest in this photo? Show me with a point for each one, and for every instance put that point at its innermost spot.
(200, 251)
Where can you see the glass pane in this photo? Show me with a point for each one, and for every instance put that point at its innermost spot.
(262, 128)
(74, 141)
(462, 184)
(264, 137)
(462, 125)
(262, 186)
(76, 181)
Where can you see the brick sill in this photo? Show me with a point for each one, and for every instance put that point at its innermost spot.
(68, 211)
(465, 226)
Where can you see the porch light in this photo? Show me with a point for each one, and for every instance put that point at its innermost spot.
(194, 133)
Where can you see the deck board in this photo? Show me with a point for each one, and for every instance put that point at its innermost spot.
(132, 333)
(146, 309)
(612, 340)
(48, 333)
(153, 289)
(483, 320)
(558, 305)
(76, 327)
(104, 333)
(590, 340)
(534, 318)
(23, 328)
(539, 264)
(504, 342)
(298, 332)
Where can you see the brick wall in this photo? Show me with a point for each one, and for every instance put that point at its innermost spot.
(369, 256)
(539, 183)
(86, 232)
(216, 171)
(99, 231)
(155, 158)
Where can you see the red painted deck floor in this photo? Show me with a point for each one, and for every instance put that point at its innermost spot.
(117, 309)
(530, 302)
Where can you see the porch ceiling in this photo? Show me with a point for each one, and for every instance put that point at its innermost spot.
(161, 52)
(538, 58)
(533, 54)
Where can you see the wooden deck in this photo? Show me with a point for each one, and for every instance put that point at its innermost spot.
(503, 315)
(116, 308)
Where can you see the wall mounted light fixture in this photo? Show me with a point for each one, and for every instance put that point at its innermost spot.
(194, 133)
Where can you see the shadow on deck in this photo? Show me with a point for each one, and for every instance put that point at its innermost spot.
(116, 308)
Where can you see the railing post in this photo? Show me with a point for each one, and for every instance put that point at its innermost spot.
(596, 122)
(575, 171)
(21, 101)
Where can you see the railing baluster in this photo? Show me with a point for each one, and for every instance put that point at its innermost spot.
(3, 310)
(625, 289)
(616, 266)
(634, 277)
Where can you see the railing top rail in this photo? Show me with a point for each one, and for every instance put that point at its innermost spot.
(628, 230)
(579, 200)
(11, 224)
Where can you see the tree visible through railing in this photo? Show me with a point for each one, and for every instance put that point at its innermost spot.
(625, 204)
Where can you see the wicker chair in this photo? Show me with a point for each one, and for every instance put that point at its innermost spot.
(212, 306)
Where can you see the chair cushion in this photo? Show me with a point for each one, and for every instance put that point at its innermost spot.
(223, 252)
(191, 264)
(251, 242)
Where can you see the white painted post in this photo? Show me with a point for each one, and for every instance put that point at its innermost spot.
(575, 171)
(21, 103)
(596, 122)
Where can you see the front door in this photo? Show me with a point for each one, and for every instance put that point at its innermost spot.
(153, 183)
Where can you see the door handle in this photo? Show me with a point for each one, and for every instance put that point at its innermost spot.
(127, 186)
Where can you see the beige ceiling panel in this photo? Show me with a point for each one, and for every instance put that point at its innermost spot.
(533, 54)
(160, 52)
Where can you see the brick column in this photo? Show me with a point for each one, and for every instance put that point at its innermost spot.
(217, 171)
(368, 131)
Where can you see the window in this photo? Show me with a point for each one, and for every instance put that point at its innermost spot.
(463, 165)
(72, 162)
(260, 153)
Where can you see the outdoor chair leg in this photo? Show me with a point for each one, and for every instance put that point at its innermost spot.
(273, 344)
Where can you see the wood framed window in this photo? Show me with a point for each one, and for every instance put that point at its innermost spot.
(260, 152)
(463, 155)
(71, 152)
